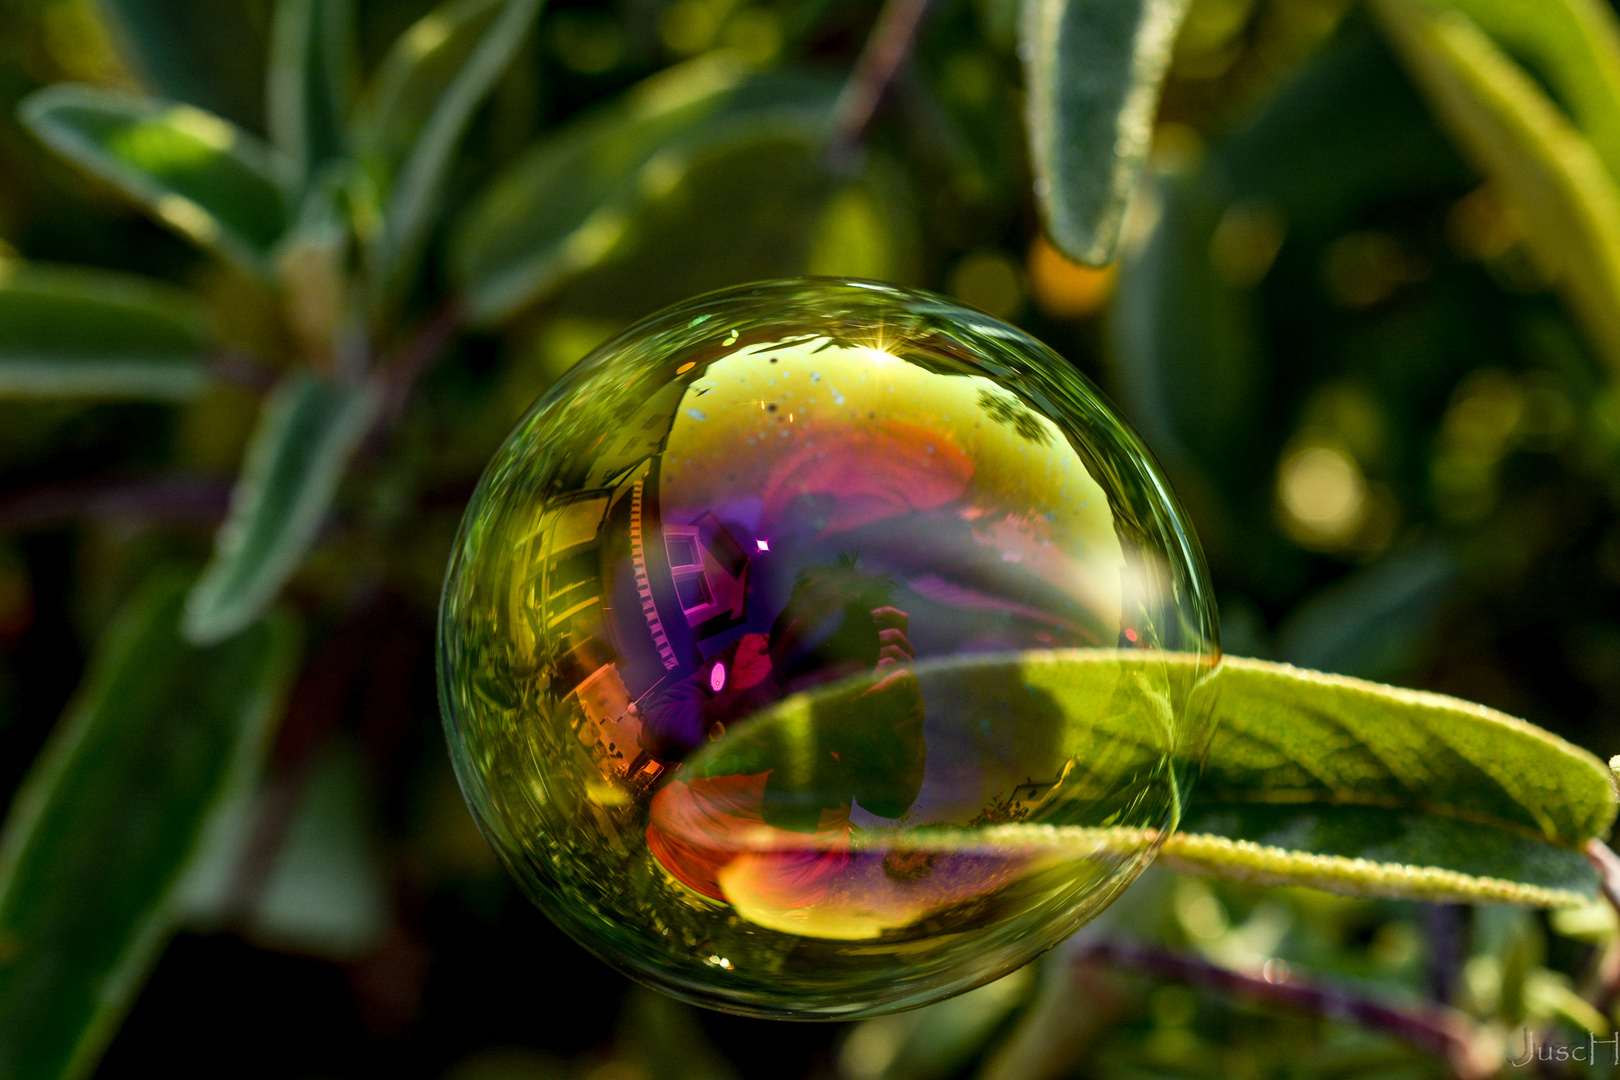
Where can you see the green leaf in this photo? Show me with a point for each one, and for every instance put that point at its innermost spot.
(1309, 779)
(666, 1041)
(1548, 172)
(307, 432)
(109, 816)
(936, 1042)
(326, 893)
(1370, 622)
(1093, 69)
(71, 332)
(198, 174)
(1574, 47)
(311, 81)
(696, 179)
(432, 82)
(203, 52)
(1357, 787)
(565, 203)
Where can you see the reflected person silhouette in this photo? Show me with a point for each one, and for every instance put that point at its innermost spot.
(779, 815)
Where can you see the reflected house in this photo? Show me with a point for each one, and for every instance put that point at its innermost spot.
(633, 596)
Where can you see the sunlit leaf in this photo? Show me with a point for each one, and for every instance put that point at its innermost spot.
(307, 432)
(433, 81)
(1362, 788)
(1548, 172)
(112, 811)
(1309, 779)
(70, 332)
(1093, 69)
(198, 174)
(312, 72)
(1574, 47)
(203, 52)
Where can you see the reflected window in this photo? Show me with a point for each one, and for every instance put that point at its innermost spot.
(683, 552)
(693, 589)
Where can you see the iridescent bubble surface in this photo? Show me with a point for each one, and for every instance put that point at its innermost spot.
(819, 648)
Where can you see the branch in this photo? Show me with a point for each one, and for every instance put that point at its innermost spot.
(240, 369)
(1607, 976)
(1607, 865)
(171, 498)
(314, 711)
(879, 62)
(402, 370)
(1436, 1030)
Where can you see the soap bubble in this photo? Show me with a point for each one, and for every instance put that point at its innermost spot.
(817, 649)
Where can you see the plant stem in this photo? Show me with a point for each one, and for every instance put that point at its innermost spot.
(1607, 865)
(1445, 931)
(239, 369)
(1436, 1030)
(400, 371)
(314, 711)
(172, 498)
(1607, 975)
(880, 61)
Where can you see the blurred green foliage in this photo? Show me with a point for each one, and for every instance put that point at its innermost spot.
(295, 268)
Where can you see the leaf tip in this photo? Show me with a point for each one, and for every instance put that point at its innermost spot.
(203, 622)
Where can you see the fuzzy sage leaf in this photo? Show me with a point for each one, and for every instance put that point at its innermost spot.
(97, 840)
(72, 332)
(1353, 786)
(1308, 779)
(307, 432)
(200, 175)
(430, 86)
(1093, 68)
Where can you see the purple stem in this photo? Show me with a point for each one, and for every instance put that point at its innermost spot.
(1431, 1029)
(880, 61)
(400, 372)
(242, 370)
(172, 498)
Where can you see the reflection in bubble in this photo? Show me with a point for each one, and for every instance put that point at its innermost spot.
(834, 630)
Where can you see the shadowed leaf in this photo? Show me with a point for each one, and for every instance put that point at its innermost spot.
(111, 813)
(569, 202)
(937, 1041)
(1369, 623)
(311, 80)
(1093, 68)
(69, 332)
(203, 52)
(196, 173)
(307, 432)
(433, 81)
